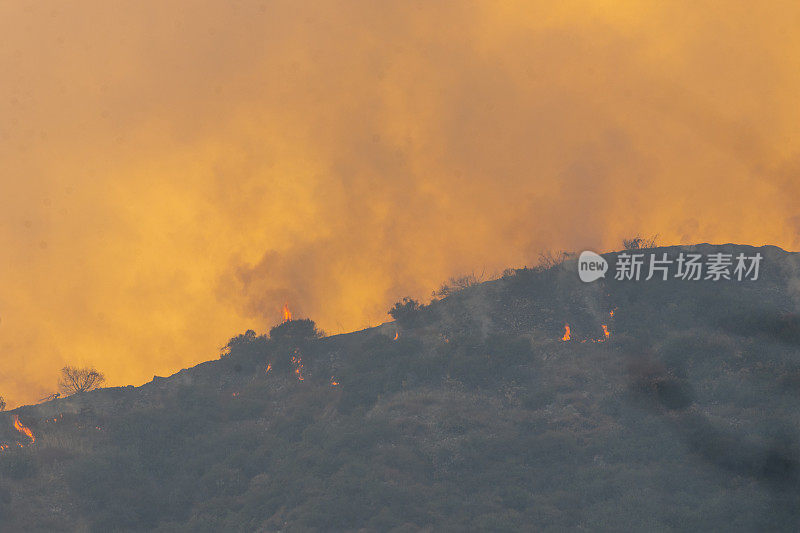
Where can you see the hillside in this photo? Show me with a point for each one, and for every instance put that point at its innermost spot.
(470, 414)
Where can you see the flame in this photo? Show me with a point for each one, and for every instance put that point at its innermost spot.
(22, 428)
(235, 394)
(567, 335)
(269, 367)
(298, 365)
(334, 383)
(606, 332)
(396, 335)
(611, 313)
(287, 314)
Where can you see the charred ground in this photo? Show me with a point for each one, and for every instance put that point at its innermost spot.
(469, 414)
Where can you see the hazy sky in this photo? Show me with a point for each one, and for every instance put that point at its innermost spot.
(172, 172)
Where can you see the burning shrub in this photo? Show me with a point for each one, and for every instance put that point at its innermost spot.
(74, 380)
(296, 330)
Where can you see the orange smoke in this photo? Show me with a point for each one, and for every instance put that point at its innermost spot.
(22, 428)
(244, 178)
(567, 336)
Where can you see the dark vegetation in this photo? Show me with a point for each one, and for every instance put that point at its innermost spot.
(475, 418)
(549, 259)
(74, 380)
(407, 312)
(454, 285)
(296, 330)
(640, 242)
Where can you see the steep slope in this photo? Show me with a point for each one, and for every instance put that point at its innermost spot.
(471, 414)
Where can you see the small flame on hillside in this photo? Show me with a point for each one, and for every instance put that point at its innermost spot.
(568, 334)
(334, 383)
(269, 367)
(297, 362)
(22, 428)
(287, 314)
(396, 335)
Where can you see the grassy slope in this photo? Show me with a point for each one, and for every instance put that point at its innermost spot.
(477, 417)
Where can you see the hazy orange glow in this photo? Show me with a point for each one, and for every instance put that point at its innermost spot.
(22, 428)
(567, 333)
(174, 171)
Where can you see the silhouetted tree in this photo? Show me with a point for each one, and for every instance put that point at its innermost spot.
(296, 330)
(406, 312)
(2, 404)
(246, 343)
(74, 379)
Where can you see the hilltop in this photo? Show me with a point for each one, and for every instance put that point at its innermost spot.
(672, 406)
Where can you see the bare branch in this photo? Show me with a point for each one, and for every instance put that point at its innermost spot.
(74, 380)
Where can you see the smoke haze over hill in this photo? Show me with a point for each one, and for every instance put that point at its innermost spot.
(172, 173)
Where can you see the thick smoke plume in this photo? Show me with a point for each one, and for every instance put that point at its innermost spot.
(173, 172)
